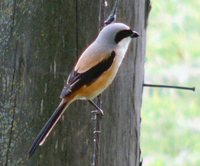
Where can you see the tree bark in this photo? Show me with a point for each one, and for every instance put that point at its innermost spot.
(40, 42)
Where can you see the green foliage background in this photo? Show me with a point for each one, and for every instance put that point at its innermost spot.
(171, 118)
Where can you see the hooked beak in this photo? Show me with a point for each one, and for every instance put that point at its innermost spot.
(135, 34)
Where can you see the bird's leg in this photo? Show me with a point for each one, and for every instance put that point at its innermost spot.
(98, 109)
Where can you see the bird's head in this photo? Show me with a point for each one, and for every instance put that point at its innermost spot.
(115, 33)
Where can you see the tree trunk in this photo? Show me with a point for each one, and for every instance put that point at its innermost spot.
(40, 42)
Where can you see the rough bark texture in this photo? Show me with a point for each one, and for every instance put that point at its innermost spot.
(40, 42)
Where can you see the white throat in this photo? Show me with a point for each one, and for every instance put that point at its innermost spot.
(121, 49)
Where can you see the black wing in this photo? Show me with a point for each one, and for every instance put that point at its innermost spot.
(77, 80)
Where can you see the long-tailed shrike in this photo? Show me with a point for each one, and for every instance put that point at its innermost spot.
(93, 73)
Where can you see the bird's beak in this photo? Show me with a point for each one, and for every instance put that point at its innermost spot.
(135, 34)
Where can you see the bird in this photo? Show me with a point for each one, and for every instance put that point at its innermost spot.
(94, 71)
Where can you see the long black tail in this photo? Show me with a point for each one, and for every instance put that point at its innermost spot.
(41, 137)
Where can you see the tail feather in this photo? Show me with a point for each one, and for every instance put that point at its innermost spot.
(41, 137)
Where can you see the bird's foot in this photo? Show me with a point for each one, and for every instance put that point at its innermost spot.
(98, 112)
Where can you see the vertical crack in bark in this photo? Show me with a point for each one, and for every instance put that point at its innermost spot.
(101, 14)
(147, 11)
(77, 38)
